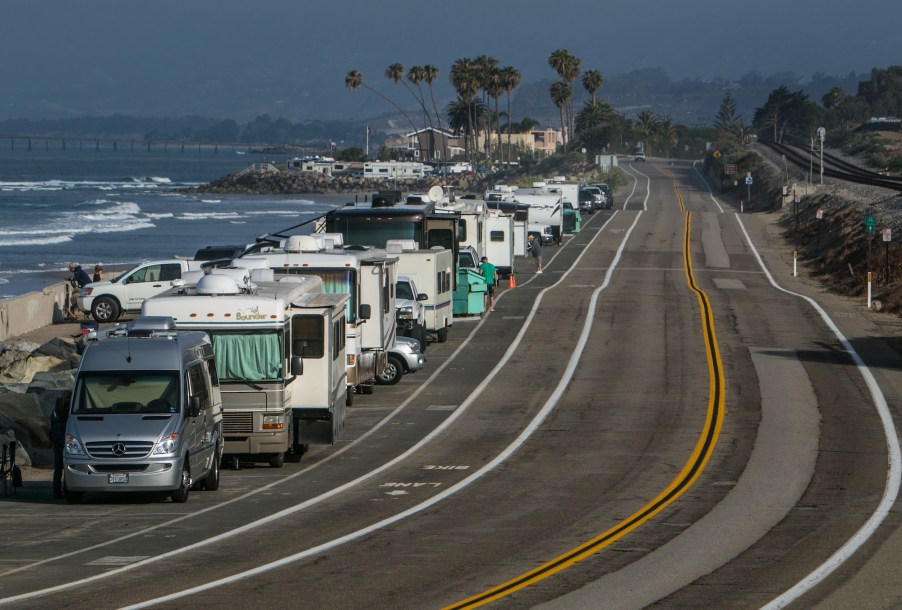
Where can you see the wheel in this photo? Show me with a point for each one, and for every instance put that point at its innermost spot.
(349, 397)
(277, 460)
(366, 388)
(442, 334)
(419, 333)
(211, 481)
(180, 495)
(392, 373)
(105, 309)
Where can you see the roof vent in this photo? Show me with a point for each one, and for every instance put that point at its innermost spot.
(301, 243)
(217, 284)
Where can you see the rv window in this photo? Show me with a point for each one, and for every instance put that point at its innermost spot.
(338, 338)
(496, 235)
(440, 237)
(197, 385)
(335, 281)
(386, 295)
(248, 355)
(461, 230)
(307, 336)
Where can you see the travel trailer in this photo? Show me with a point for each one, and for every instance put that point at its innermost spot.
(432, 272)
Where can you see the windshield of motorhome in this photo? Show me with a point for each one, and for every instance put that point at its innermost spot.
(127, 392)
(335, 281)
(248, 355)
(377, 231)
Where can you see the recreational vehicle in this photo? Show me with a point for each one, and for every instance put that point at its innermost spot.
(432, 272)
(280, 349)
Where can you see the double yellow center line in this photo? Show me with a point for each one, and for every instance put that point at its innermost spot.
(683, 481)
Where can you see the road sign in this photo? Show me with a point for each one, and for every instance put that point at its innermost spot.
(730, 169)
(887, 235)
(870, 223)
(819, 214)
(748, 180)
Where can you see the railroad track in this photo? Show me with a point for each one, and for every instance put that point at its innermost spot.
(834, 167)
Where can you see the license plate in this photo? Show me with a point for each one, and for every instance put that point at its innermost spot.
(118, 478)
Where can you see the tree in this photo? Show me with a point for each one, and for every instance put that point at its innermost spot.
(592, 82)
(495, 88)
(430, 74)
(415, 75)
(567, 67)
(725, 121)
(593, 114)
(561, 93)
(787, 115)
(354, 81)
(395, 72)
(461, 114)
(463, 78)
(510, 80)
(647, 123)
(833, 98)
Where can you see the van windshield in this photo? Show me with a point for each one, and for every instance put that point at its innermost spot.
(127, 392)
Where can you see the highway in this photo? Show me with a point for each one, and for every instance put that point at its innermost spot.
(652, 420)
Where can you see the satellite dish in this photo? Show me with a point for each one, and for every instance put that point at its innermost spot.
(436, 193)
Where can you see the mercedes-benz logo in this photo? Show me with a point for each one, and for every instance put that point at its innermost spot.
(118, 449)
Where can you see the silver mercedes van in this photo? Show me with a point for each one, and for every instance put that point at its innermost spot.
(146, 413)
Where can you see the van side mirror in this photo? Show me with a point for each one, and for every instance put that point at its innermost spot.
(365, 311)
(194, 406)
(422, 297)
(296, 365)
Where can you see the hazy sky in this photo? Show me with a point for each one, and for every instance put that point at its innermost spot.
(225, 58)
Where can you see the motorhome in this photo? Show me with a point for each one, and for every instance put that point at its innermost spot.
(394, 169)
(280, 349)
(146, 414)
(432, 272)
(367, 275)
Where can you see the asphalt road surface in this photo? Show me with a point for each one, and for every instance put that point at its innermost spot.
(650, 422)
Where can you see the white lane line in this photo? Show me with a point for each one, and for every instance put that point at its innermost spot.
(298, 507)
(647, 188)
(893, 475)
(705, 180)
(527, 432)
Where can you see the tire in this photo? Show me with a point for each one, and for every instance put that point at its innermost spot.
(211, 481)
(419, 333)
(180, 495)
(105, 309)
(366, 388)
(392, 373)
(349, 397)
(442, 334)
(277, 460)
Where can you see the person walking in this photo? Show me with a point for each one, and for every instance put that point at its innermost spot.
(535, 248)
(491, 278)
(58, 420)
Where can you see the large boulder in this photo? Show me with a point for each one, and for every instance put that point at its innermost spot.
(25, 413)
(24, 370)
(63, 348)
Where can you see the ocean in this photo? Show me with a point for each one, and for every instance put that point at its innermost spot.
(119, 208)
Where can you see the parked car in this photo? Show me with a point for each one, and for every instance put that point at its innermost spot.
(405, 357)
(599, 201)
(608, 194)
(586, 201)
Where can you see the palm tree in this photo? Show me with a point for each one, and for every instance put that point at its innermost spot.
(510, 80)
(485, 69)
(463, 78)
(354, 81)
(593, 114)
(395, 72)
(592, 82)
(668, 132)
(495, 89)
(561, 93)
(567, 67)
(461, 114)
(430, 74)
(647, 123)
(415, 76)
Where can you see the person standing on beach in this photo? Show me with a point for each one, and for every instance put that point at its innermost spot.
(98, 273)
(78, 281)
(58, 420)
(491, 278)
(535, 248)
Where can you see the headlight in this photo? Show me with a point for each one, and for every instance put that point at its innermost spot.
(272, 422)
(73, 446)
(405, 313)
(168, 444)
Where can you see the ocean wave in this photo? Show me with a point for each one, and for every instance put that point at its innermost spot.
(208, 215)
(159, 215)
(211, 200)
(36, 241)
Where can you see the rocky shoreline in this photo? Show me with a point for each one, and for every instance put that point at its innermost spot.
(276, 182)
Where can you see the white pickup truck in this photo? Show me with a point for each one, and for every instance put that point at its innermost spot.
(108, 300)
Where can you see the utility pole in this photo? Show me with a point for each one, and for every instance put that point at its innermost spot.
(821, 132)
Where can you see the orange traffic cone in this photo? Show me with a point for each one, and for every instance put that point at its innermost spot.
(511, 282)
